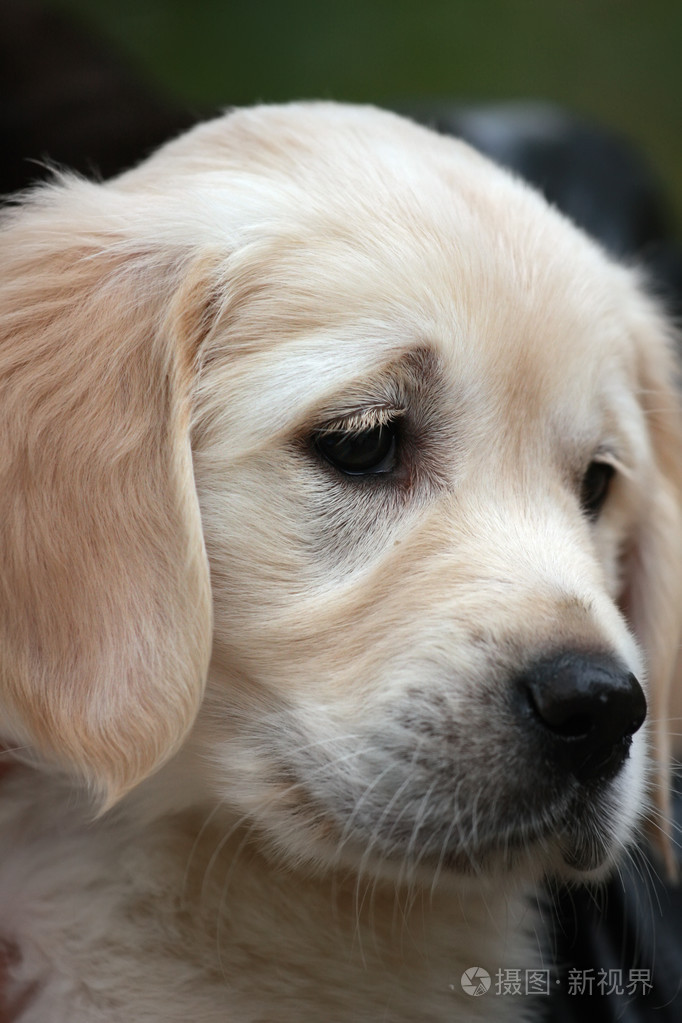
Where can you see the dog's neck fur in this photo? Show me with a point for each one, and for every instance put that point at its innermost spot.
(228, 934)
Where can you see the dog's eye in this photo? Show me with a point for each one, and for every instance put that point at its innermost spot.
(594, 487)
(362, 453)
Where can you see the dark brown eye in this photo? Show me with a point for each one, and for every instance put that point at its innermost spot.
(363, 453)
(594, 488)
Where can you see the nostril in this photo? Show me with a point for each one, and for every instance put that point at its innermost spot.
(572, 725)
(589, 707)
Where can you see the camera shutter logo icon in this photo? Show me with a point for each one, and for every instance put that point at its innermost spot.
(475, 981)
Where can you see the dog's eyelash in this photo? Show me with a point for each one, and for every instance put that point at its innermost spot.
(362, 420)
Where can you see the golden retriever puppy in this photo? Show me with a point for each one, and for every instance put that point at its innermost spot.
(341, 543)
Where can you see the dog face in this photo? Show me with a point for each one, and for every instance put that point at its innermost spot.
(434, 470)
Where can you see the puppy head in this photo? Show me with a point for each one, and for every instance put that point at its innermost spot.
(437, 452)
(431, 429)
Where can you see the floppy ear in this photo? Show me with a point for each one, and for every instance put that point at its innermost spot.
(653, 587)
(105, 613)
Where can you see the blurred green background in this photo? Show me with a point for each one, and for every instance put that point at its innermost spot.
(618, 61)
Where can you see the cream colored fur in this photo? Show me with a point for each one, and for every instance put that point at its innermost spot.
(269, 770)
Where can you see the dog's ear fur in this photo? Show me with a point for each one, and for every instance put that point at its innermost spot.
(105, 612)
(653, 585)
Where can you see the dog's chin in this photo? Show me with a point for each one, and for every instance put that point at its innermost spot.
(567, 846)
(589, 860)
(581, 845)
(578, 854)
(587, 852)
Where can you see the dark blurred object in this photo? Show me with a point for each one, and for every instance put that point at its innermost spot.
(593, 175)
(67, 99)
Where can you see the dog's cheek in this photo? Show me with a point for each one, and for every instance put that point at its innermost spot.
(255, 530)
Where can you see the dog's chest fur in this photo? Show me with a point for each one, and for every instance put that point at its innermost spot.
(191, 924)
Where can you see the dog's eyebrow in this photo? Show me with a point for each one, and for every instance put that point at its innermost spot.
(368, 403)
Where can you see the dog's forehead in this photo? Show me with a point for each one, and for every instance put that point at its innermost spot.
(369, 237)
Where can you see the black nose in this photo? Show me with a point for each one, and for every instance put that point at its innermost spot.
(588, 707)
